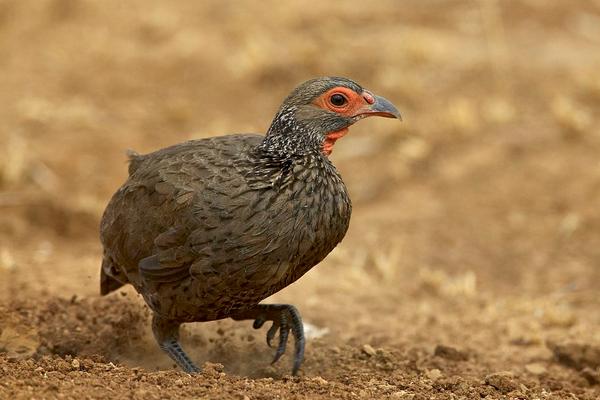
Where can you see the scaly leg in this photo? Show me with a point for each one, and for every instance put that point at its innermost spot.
(285, 318)
(166, 333)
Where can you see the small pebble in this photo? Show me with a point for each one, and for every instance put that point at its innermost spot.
(320, 380)
(536, 368)
(368, 350)
(403, 395)
(433, 374)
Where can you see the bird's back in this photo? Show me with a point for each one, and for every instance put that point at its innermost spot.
(158, 194)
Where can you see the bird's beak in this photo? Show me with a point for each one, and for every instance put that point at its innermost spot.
(377, 106)
(384, 108)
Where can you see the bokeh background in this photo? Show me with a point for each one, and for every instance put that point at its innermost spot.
(476, 224)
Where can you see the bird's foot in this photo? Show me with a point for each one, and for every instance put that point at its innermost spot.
(286, 319)
(166, 333)
(174, 350)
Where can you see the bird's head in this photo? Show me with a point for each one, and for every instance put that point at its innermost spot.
(319, 111)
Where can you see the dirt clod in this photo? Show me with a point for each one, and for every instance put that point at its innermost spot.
(591, 375)
(576, 355)
(450, 353)
(504, 381)
(19, 342)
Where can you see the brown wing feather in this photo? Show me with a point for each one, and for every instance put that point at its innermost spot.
(146, 224)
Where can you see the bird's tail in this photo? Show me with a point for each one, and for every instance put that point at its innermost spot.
(107, 282)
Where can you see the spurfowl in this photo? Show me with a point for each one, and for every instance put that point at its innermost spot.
(206, 229)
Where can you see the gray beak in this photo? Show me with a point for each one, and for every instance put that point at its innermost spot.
(377, 106)
(384, 108)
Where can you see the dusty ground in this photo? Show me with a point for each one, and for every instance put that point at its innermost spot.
(472, 265)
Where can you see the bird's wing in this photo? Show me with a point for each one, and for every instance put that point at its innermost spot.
(230, 235)
(195, 195)
(171, 259)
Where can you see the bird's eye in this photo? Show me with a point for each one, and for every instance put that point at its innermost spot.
(338, 100)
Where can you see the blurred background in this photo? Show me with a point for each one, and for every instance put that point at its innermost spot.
(480, 210)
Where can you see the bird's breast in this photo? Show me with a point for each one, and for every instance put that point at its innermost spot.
(313, 218)
(255, 241)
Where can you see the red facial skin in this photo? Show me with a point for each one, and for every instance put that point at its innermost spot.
(356, 105)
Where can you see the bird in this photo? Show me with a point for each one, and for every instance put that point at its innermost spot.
(208, 228)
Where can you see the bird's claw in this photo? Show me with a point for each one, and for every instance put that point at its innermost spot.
(284, 331)
(271, 333)
(280, 325)
(287, 319)
(259, 322)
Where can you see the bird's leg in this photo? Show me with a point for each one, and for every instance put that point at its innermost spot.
(166, 333)
(285, 318)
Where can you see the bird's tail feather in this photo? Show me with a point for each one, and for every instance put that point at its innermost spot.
(107, 282)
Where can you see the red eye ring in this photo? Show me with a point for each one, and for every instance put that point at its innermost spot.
(338, 100)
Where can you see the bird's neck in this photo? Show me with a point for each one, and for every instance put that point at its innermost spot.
(287, 137)
(290, 136)
(331, 138)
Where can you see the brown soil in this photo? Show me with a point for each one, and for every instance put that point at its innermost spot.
(472, 265)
